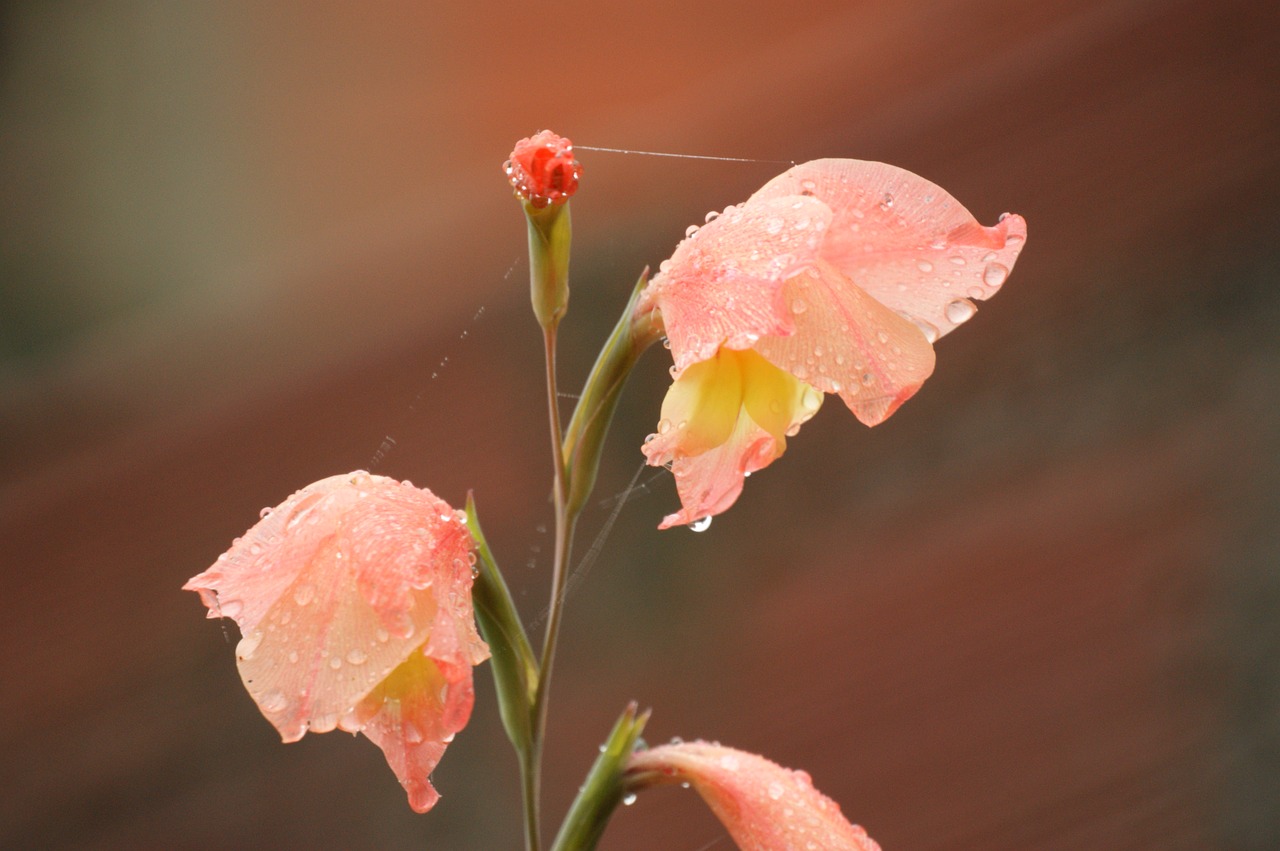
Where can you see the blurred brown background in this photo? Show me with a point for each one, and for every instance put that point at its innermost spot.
(1038, 608)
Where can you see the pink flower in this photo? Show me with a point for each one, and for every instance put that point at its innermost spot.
(764, 806)
(542, 169)
(836, 277)
(353, 599)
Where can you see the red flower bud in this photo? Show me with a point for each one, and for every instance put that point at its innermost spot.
(542, 169)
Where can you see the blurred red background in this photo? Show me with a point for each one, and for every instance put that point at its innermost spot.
(249, 245)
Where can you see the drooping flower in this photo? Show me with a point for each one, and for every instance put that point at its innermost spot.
(764, 806)
(542, 169)
(835, 277)
(353, 599)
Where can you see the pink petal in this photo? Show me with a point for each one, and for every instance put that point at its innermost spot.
(335, 589)
(413, 716)
(723, 285)
(848, 343)
(710, 482)
(905, 240)
(764, 806)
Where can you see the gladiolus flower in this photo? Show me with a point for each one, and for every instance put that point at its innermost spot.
(764, 806)
(353, 599)
(543, 170)
(836, 277)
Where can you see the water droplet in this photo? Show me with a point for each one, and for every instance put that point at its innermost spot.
(628, 799)
(382, 635)
(712, 216)
(412, 734)
(264, 512)
(811, 400)
(994, 275)
(887, 202)
(664, 426)
(729, 762)
(293, 656)
(960, 310)
(245, 649)
(355, 657)
(1014, 239)
(1002, 217)
(303, 594)
(957, 259)
(928, 329)
(798, 305)
(273, 702)
(702, 524)
(335, 662)
(773, 226)
(924, 266)
(690, 231)
(776, 791)
(976, 292)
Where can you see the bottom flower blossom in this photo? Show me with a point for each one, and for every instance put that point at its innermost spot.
(764, 806)
(353, 599)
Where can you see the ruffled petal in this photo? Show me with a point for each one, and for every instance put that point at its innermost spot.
(764, 806)
(723, 285)
(848, 343)
(904, 240)
(412, 716)
(709, 483)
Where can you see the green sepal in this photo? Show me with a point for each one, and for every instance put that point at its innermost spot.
(515, 668)
(550, 235)
(603, 789)
(584, 438)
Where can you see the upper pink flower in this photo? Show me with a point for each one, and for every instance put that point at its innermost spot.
(836, 277)
(353, 599)
(543, 170)
(764, 806)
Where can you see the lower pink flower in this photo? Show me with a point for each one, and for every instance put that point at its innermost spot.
(835, 277)
(764, 806)
(353, 599)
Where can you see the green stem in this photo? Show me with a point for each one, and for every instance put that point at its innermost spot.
(564, 525)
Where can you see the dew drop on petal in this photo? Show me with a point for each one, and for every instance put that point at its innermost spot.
(303, 594)
(356, 657)
(702, 524)
(924, 266)
(273, 702)
(887, 202)
(960, 310)
(994, 275)
(799, 305)
(628, 799)
(382, 635)
(264, 512)
(776, 791)
(335, 663)
(957, 259)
